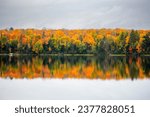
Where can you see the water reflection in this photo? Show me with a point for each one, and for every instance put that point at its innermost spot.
(78, 67)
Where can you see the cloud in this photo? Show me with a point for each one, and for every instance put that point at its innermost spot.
(75, 14)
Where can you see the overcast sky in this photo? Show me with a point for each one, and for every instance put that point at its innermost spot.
(75, 14)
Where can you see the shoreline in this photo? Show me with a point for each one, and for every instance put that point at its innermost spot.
(17, 54)
(111, 55)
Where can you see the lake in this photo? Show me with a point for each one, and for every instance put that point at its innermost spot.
(74, 77)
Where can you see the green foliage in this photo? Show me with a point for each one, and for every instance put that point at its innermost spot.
(146, 44)
(102, 46)
(38, 47)
(134, 39)
(3, 40)
(122, 42)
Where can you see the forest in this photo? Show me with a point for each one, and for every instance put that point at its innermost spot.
(79, 41)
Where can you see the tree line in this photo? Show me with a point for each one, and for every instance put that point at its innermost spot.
(85, 41)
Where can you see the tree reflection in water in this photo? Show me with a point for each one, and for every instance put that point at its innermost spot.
(78, 67)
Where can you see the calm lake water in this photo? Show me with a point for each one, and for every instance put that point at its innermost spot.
(70, 77)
